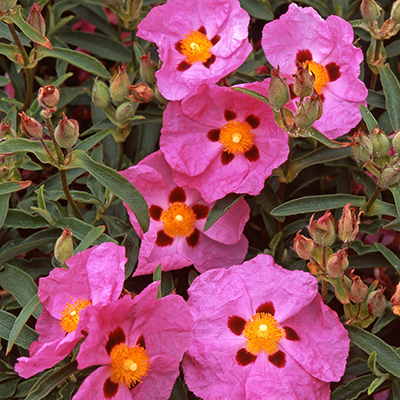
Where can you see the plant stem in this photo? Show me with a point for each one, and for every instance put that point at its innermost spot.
(376, 57)
(21, 48)
(47, 150)
(324, 291)
(120, 155)
(71, 201)
(373, 198)
(50, 128)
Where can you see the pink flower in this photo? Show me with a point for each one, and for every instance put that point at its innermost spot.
(175, 238)
(220, 141)
(198, 42)
(95, 276)
(138, 343)
(302, 36)
(262, 332)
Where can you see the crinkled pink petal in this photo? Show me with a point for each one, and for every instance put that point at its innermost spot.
(48, 327)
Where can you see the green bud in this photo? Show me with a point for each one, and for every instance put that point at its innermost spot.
(119, 85)
(361, 147)
(7, 4)
(147, 69)
(337, 264)
(100, 94)
(5, 129)
(66, 132)
(395, 12)
(370, 10)
(390, 176)
(380, 143)
(125, 111)
(396, 142)
(308, 112)
(278, 90)
(303, 82)
(64, 247)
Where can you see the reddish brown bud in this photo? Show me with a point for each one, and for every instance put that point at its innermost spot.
(66, 132)
(5, 128)
(141, 93)
(395, 300)
(303, 82)
(370, 10)
(337, 264)
(348, 225)
(376, 302)
(358, 289)
(35, 19)
(303, 246)
(30, 127)
(323, 230)
(48, 97)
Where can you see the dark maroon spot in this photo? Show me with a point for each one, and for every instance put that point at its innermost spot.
(117, 336)
(243, 357)
(177, 195)
(253, 121)
(183, 66)
(293, 95)
(229, 115)
(278, 359)
(213, 135)
(252, 154)
(236, 324)
(215, 40)
(303, 56)
(163, 240)
(322, 97)
(155, 212)
(110, 388)
(267, 308)
(200, 210)
(203, 30)
(193, 239)
(226, 158)
(84, 333)
(333, 71)
(178, 46)
(291, 334)
(141, 342)
(211, 60)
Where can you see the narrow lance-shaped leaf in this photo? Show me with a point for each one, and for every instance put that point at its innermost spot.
(353, 389)
(4, 200)
(368, 118)
(390, 256)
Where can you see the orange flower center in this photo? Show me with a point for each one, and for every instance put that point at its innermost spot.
(236, 137)
(70, 314)
(321, 75)
(196, 47)
(178, 220)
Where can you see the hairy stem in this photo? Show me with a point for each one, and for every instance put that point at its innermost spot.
(373, 197)
(71, 201)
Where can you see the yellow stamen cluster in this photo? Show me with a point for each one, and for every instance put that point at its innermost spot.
(236, 137)
(70, 314)
(196, 47)
(178, 220)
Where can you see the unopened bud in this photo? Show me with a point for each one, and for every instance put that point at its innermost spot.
(141, 93)
(361, 147)
(395, 12)
(380, 143)
(308, 112)
(48, 96)
(303, 246)
(64, 247)
(30, 127)
(119, 85)
(278, 90)
(396, 142)
(370, 10)
(337, 264)
(303, 82)
(7, 4)
(358, 289)
(66, 132)
(395, 301)
(376, 302)
(35, 19)
(147, 69)
(390, 176)
(5, 128)
(323, 230)
(348, 225)
(100, 94)
(125, 111)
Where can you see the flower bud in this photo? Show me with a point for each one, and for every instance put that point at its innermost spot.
(66, 132)
(396, 142)
(125, 111)
(348, 225)
(30, 127)
(395, 301)
(147, 69)
(141, 93)
(361, 147)
(303, 82)
(5, 128)
(308, 112)
(278, 90)
(395, 12)
(380, 143)
(100, 94)
(323, 230)
(48, 96)
(376, 302)
(160, 98)
(337, 264)
(7, 4)
(35, 19)
(358, 289)
(303, 246)
(370, 10)
(64, 247)
(390, 176)
(119, 85)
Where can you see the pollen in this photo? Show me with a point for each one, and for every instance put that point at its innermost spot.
(262, 332)
(178, 219)
(236, 137)
(196, 47)
(70, 314)
(321, 75)
(129, 365)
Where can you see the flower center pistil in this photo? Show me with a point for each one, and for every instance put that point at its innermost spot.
(196, 47)
(70, 314)
(262, 332)
(321, 75)
(129, 364)
(236, 137)
(178, 219)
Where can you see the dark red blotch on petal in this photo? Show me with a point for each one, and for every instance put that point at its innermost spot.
(229, 115)
(155, 212)
(211, 60)
(141, 342)
(267, 308)
(117, 336)
(303, 55)
(278, 359)
(333, 71)
(163, 240)
(213, 135)
(215, 40)
(110, 389)
(243, 357)
(252, 154)
(183, 66)
(201, 210)
(226, 158)
(193, 239)
(236, 324)
(291, 334)
(253, 121)
(177, 195)
(178, 46)
(202, 30)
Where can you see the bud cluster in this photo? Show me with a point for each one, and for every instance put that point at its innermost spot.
(362, 304)
(127, 11)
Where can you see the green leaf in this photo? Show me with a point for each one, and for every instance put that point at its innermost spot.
(4, 199)
(317, 203)
(260, 9)
(21, 320)
(382, 208)
(390, 256)
(117, 184)
(81, 60)
(376, 383)
(368, 118)
(91, 141)
(157, 274)
(220, 208)
(13, 186)
(4, 81)
(178, 391)
(395, 189)
(393, 49)
(321, 6)
(91, 237)
(391, 89)
(376, 99)
(27, 335)
(268, 199)
(25, 145)
(353, 389)
(23, 220)
(386, 356)
(385, 319)
(9, 51)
